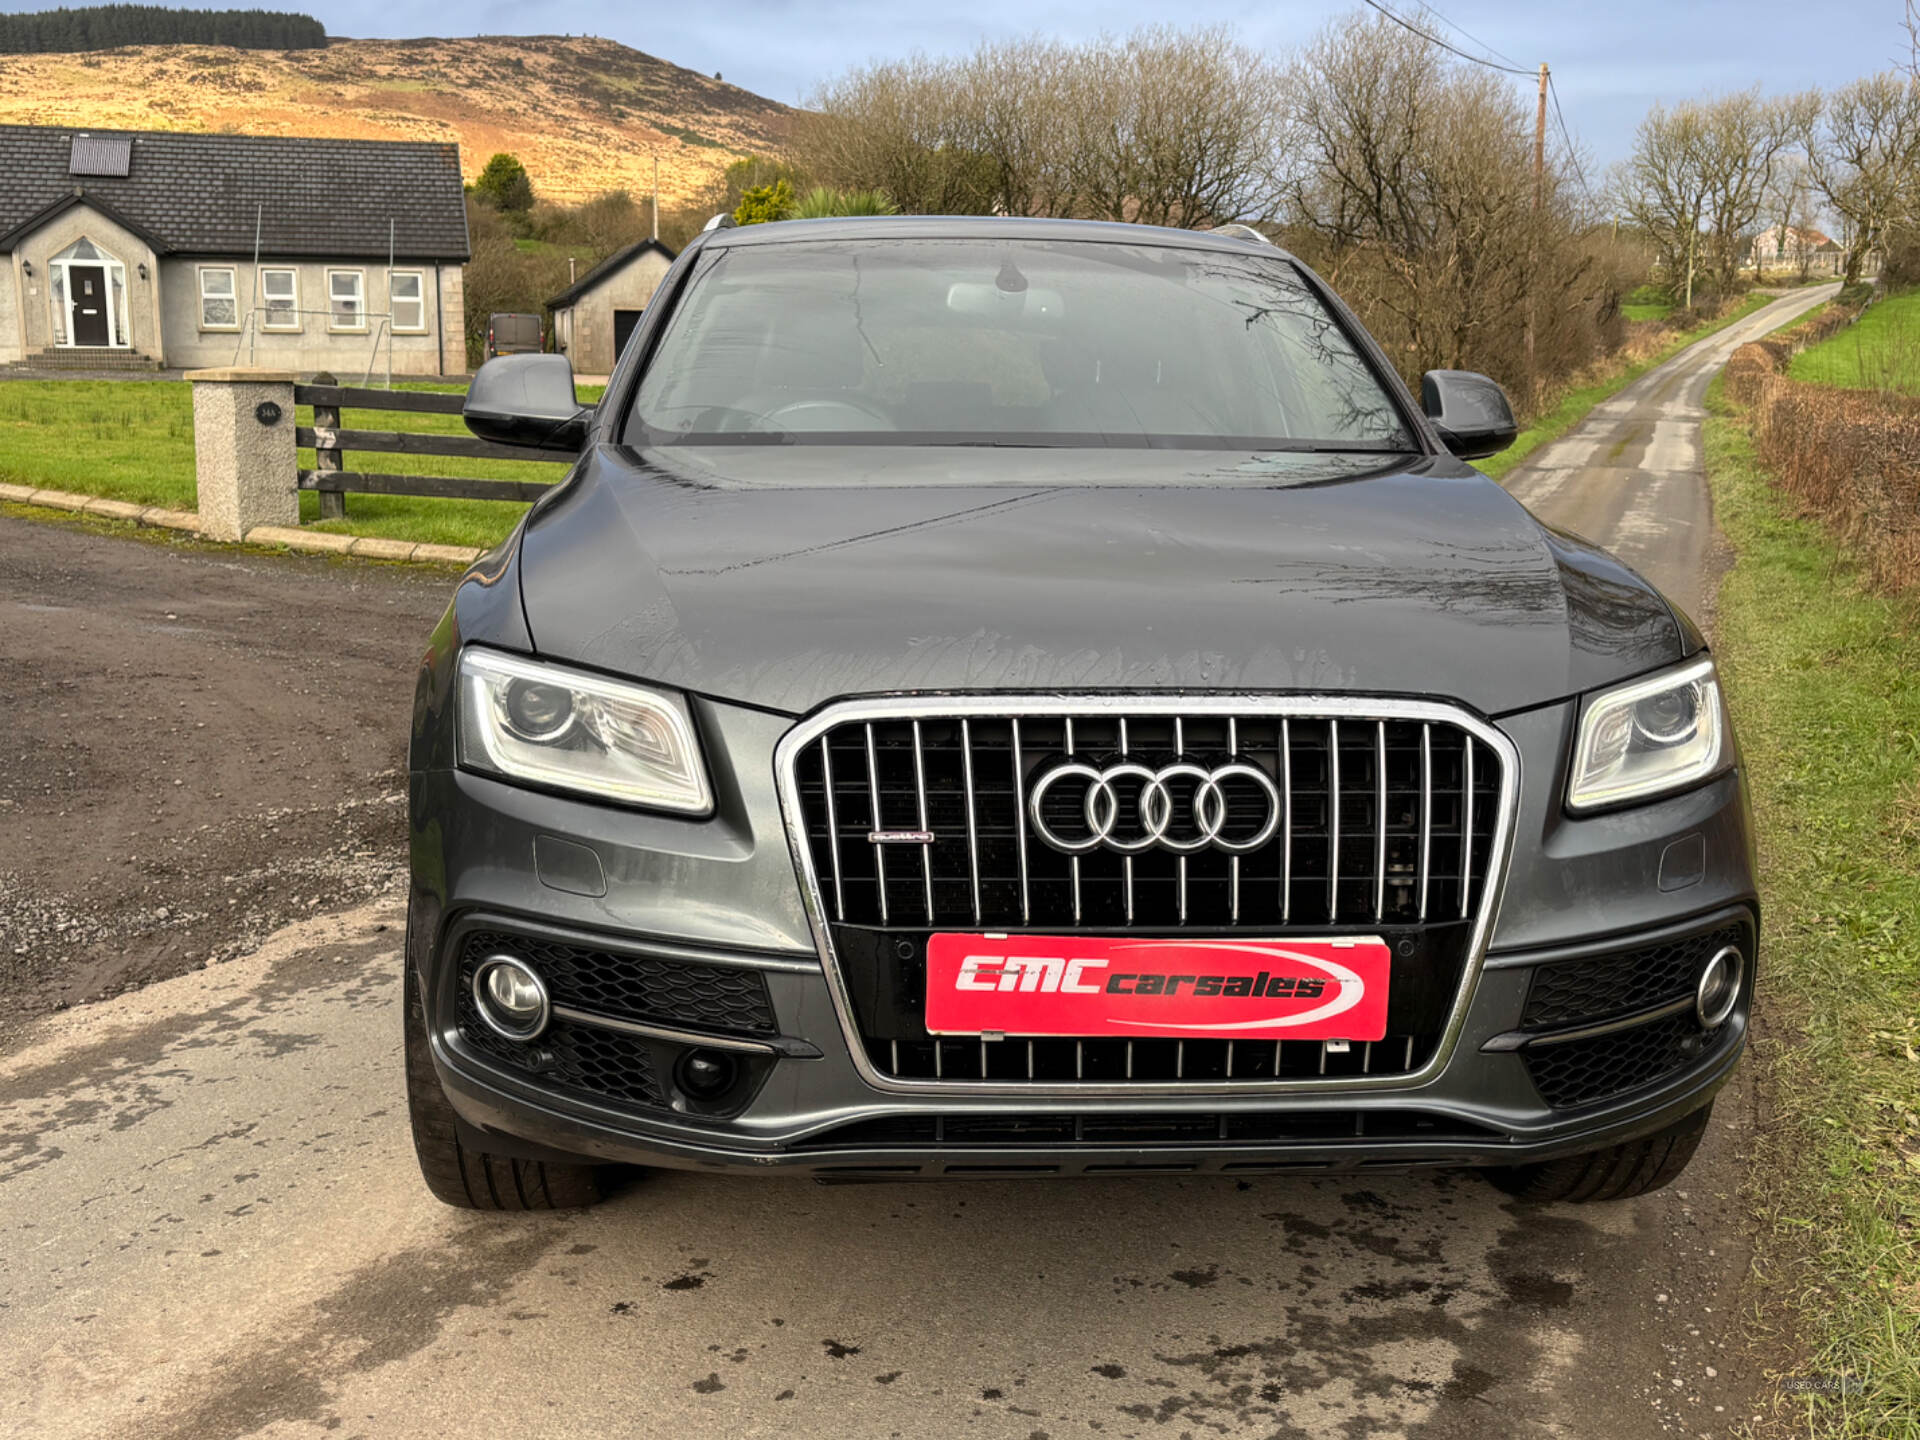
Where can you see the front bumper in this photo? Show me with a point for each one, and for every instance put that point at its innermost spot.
(505, 1119)
(723, 893)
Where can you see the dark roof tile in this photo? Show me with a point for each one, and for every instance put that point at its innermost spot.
(199, 194)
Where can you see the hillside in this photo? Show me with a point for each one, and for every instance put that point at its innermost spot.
(584, 115)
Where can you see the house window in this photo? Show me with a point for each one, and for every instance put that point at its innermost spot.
(219, 306)
(280, 299)
(347, 299)
(407, 289)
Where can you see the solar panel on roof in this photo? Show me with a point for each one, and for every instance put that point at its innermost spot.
(100, 155)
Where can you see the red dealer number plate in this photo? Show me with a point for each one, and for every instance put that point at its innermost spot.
(1193, 989)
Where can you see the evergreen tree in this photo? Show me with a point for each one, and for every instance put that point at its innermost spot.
(764, 203)
(504, 185)
(107, 27)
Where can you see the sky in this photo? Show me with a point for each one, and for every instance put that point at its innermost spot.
(1610, 58)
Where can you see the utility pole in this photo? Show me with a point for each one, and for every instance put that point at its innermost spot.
(656, 197)
(1693, 232)
(1540, 143)
(1539, 206)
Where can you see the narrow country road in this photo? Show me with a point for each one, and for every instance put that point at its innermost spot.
(211, 1225)
(1629, 477)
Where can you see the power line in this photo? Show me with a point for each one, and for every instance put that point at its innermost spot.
(1461, 30)
(1509, 68)
(1433, 39)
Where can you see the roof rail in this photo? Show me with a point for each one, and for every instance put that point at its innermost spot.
(1240, 232)
(722, 221)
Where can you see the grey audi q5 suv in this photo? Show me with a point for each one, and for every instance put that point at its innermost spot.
(1009, 697)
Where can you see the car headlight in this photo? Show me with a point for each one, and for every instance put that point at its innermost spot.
(571, 730)
(1652, 736)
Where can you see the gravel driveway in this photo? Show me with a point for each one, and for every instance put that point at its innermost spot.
(201, 746)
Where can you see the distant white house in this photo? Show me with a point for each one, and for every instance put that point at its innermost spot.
(124, 249)
(1788, 247)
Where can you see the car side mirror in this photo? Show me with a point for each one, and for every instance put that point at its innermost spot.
(527, 400)
(1470, 412)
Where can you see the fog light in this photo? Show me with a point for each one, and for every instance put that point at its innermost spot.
(705, 1074)
(511, 997)
(1719, 989)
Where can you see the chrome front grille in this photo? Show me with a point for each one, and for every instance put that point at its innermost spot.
(1382, 821)
(916, 815)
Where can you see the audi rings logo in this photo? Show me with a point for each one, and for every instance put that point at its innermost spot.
(1129, 807)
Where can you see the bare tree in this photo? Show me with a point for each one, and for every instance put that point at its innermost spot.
(1802, 213)
(1701, 173)
(1743, 141)
(1410, 184)
(1173, 128)
(1662, 189)
(898, 127)
(1011, 94)
(1166, 127)
(1404, 173)
(1790, 213)
(1864, 156)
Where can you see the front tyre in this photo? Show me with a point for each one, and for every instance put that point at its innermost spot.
(474, 1179)
(1619, 1172)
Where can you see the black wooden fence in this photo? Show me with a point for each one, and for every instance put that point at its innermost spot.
(332, 445)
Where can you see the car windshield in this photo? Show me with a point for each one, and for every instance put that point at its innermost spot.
(983, 341)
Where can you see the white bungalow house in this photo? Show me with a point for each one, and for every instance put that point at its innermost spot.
(125, 250)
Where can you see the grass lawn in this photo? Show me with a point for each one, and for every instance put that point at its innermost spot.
(1575, 404)
(122, 439)
(133, 440)
(1880, 352)
(1824, 682)
(1647, 302)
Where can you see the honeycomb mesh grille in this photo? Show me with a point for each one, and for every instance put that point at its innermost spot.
(1580, 1072)
(1577, 991)
(599, 1063)
(636, 987)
